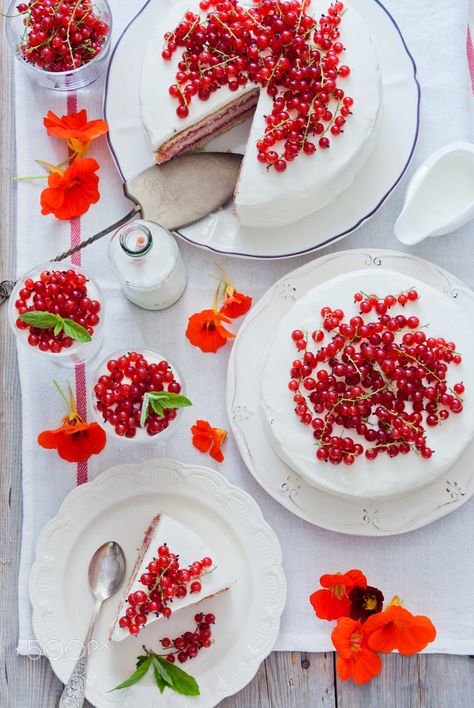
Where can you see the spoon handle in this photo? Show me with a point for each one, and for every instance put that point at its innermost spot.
(74, 691)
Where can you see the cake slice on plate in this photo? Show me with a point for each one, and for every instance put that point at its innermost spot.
(174, 569)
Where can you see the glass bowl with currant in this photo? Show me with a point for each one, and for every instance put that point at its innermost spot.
(138, 395)
(61, 44)
(58, 311)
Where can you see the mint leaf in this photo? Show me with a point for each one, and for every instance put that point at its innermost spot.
(75, 331)
(46, 320)
(158, 680)
(163, 669)
(159, 400)
(144, 413)
(141, 659)
(137, 675)
(162, 677)
(58, 327)
(40, 319)
(182, 682)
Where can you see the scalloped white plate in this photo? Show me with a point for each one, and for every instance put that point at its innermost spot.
(118, 505)
(221, 232)
(359, 516)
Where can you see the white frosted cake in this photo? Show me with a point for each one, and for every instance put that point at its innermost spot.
(265, 197)
(189, 548)
(440, 315)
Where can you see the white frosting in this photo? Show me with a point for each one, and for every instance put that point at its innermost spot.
(184, 542)
(293, 442)
(264, 197)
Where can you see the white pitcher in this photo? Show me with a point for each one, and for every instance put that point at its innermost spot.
(440, 196)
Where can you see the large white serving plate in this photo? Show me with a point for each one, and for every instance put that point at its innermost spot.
(221, 232)
(353, 515)
(118, 506)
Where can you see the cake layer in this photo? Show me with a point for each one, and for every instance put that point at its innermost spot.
(293, 442)
(264, 197)
(211, 126)
(185, 543)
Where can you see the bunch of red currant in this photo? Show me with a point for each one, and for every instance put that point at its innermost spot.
(276, 45)
(188, 645)
(384, 379)
(61, 35)
(163, 580)
(60, 293)
(120, 392)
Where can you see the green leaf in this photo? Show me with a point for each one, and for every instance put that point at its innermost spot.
(141, 659)
(58, 327)
(75, 331)
(144, 413)
(42, 320)
(137, 675)
(163, 669)
(46, 320)
(162, 677)
(182, 682)
(158, 680)
(159, 400)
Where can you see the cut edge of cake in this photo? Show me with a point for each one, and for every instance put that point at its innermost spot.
(149, 537)
(208, 128)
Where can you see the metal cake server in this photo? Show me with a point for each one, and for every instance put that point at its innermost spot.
(174, 194)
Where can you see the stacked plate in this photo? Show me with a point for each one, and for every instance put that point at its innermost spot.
(410, 494)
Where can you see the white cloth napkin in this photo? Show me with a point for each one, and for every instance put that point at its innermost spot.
(433, 568)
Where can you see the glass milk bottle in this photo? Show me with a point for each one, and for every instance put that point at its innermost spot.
(145, 259)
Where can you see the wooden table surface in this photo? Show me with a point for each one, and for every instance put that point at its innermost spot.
(289, 680)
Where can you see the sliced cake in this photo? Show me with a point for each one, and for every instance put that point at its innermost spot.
(174, 569)
(310, 77)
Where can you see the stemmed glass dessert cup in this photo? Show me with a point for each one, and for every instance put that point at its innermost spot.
(116, 400)
(24, 295)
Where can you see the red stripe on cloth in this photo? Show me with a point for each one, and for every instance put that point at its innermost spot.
(470, 57)
(82, 471)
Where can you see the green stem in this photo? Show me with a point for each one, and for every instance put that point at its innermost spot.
(61, 393)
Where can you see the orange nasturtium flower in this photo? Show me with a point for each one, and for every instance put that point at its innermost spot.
(355, 659)
(206, 330)
(75, 440)
(234, 304)
(75, 128)
(333, 600)
(208, 439)
(396, 628)
(70, 192)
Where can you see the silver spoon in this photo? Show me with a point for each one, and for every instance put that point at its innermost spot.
(106, 571)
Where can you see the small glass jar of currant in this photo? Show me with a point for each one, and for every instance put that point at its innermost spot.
(138, 395)
(58, 311)
(61, 44)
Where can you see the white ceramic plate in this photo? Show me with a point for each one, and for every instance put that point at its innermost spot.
(221, 232)
(118, 506)
(365, 517)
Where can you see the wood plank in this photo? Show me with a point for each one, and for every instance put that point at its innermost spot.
(424, 681)
(289, 680)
